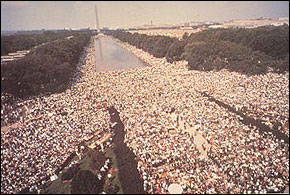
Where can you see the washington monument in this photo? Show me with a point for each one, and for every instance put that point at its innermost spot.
(98, 41)
(97, 19)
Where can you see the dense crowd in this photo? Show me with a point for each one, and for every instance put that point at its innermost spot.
(49, 133)
(241, 160)
(264, 97)
(12, 109)
(156, 105)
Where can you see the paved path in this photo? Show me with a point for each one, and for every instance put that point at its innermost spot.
(201, 143)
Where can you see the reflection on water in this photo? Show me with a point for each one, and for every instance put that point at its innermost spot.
(100, 49)
(111, 56)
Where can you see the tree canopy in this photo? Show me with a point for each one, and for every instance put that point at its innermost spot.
(46, 69)
(249, 51)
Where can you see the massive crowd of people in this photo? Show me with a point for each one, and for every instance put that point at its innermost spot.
(48, 134)
(156, 104)
(12, 109)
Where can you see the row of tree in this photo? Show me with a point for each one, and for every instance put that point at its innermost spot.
(249, 51)
(18, 42)
(46, 69)
(271, 40)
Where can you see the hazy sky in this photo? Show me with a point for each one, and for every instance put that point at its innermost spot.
(25, 15)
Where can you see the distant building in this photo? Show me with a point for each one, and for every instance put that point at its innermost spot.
(185, 28)
(132, 28)
(283, 18)
(104, 29)
(216, 26)
(85, 29)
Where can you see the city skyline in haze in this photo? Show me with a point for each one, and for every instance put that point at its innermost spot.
(36, 15)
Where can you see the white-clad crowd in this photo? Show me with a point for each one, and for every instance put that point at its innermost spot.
(48, 134)
(157, 105)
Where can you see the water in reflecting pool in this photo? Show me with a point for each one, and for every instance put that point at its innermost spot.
(111, 56)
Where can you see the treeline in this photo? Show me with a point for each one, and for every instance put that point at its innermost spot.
(249, 51)
(18, 42)
(272, 40)
(46, 69)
